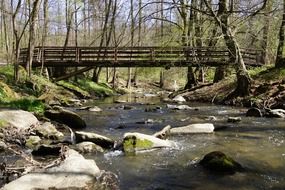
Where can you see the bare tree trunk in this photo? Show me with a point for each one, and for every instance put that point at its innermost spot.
(280, 60)
(104, 38)
(198, 38)
(243, 78)
(265, 31)
(44, 36)
(129, 82)
(75, 33)
(188, 29)
(5, 26)
(162, 77)
(33, 23)
(68, 23)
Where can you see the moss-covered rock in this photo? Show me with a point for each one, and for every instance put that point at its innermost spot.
(6, 92)
(49, 131)
(134, 142)
(219, 162)
(33, 141)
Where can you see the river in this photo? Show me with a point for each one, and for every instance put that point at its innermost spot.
(257, 143)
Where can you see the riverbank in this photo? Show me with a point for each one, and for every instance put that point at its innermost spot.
(267, 91)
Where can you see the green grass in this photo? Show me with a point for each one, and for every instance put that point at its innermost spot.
(74, 88)
(100, 89)
(27, 104)
(272, 74)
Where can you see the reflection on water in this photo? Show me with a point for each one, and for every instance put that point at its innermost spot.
(257, 143)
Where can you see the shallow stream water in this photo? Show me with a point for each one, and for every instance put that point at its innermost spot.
(257, 143)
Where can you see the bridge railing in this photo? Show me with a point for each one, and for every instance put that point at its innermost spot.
(119, 56)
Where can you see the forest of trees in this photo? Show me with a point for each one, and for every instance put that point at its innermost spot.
(235, 24)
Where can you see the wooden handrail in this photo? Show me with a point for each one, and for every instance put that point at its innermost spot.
(137, 56)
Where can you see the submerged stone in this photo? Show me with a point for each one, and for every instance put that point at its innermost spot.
(219, 162)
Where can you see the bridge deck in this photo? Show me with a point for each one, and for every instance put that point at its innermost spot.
(135, 56)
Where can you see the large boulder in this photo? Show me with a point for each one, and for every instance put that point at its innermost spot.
(75, 172)
(178, 99)
(100, 140)
(253, 112)
(3, 146)
(66, 117)
(134, 142)
(219, 162)
(18, 118)
(48, 130)
(88, 147)
(193, 128)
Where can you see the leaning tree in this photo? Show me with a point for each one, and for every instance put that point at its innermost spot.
(280, 60)
(224, 12)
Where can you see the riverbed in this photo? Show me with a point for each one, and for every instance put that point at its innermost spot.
(257, 143)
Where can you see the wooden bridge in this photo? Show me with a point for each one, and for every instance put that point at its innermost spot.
(135, 57)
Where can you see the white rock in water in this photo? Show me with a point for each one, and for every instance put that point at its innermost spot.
(18, 118)
(179, 98)
(179, 107)
(193, 128)
(150, 95)
(280, 113)
(95, 109)
(138, 142)
(75, 172)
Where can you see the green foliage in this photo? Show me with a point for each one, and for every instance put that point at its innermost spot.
(253, 72)
(100, 89)
(74, 88)
(3, 123)
(270, 74)
(27, 104)
(210, 74)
